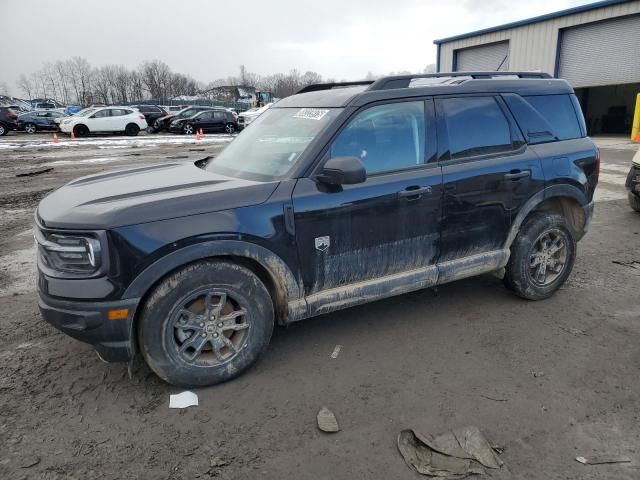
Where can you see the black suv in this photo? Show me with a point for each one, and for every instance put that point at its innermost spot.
(151, 112)
(337, 196)
(8, 120)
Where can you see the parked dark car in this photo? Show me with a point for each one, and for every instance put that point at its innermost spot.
(8, 118)
(633, 183)
(151, 112)
(209, 121)
(163, 123)
(337, 196)
(39, 120)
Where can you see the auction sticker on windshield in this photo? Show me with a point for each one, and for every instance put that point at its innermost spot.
(311, 113)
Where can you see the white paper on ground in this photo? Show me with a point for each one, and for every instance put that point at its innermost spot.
(183, 400)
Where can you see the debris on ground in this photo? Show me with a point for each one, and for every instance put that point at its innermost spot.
(602, 460)
(30, 462)
(453, 454)
(537, 374)
(327, 421)
(183, 400)
(32, 173)
(336, 351)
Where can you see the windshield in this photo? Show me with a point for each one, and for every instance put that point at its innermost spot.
(271, 146)
(187, 113)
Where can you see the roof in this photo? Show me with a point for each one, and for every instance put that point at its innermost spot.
(528, 21)
(386, 89)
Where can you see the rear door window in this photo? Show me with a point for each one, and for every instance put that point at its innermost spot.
(475, 126)
(559, 112)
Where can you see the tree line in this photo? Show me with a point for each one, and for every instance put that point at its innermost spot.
(75, 81)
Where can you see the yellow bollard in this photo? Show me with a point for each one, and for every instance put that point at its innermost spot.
(635, 129)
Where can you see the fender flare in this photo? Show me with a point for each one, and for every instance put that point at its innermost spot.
(548, 192)
(286, 284)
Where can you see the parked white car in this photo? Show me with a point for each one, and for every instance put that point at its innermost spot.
(104, 120)
(245, 118)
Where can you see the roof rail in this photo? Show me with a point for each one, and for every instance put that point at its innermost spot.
(403, 81)
(328, 86)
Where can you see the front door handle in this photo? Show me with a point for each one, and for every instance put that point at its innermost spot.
(414, 192)
(516, 174)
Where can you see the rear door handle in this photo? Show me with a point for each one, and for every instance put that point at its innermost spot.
(516, 174)
(414, 192)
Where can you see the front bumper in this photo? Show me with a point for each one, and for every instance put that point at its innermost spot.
(633, 181)
(88, 322)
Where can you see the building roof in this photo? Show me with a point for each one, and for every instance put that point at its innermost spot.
(528, 21)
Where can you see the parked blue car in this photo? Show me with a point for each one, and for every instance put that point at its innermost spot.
(72, 109)
(39, 120)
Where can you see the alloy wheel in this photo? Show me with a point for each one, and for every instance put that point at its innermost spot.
(209, 328)
(548, 257)
(30, 128)
(188, 129)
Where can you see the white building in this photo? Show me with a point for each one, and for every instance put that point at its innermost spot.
(596, 47)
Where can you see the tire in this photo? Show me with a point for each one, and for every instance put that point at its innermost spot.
(30, 128)
(188, 129)
(174, 314)
(542, 256)
(3, 130)
(80, 131)
(150, 129)
(634, 201)
(229, 128)
(131, 130)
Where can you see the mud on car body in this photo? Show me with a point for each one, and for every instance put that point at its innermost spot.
(633, 183)
(337, 196)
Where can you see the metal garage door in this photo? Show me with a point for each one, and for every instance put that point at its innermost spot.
(490, 58)
(604, 53)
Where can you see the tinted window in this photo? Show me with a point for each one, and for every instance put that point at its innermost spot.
(386, 137)
(559, 112)
(205, 116)
(476, 126)
(218, 115)
(101, 114)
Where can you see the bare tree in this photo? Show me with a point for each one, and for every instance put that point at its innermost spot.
(25, 86)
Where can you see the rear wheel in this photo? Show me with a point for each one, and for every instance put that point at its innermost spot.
(634, 201)
(542, 256)
(30, 128)
(80, 131)
(205, 324)
(131, 130)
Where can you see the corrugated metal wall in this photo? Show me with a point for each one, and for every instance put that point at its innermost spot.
(533, 47)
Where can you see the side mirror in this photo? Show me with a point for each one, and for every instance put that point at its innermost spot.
(343, 171)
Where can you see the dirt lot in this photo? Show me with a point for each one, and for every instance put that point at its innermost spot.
(548, 381)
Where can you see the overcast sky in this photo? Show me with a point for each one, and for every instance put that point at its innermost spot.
(209, 39)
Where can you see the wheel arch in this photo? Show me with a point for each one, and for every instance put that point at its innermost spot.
(567, 200)
(269, 267)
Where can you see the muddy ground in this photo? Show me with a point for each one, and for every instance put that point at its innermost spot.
(548, 381)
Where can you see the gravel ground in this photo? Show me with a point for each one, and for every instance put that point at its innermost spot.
(548, 380)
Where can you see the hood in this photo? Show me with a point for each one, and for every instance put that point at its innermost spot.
(146, 194)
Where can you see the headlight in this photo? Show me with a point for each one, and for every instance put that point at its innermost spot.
(73, 254)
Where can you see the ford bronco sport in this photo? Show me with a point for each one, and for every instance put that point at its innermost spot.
(339, 195)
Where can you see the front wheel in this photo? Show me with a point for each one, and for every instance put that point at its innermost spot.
(205, 323)
(80, 131)
(542, 256)
(229, 128)
(634, 201)
(30, 128)
(187, 129)
(131, 130)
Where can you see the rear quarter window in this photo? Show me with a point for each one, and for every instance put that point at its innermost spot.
(559, 112)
